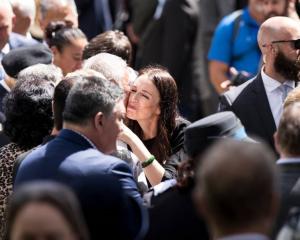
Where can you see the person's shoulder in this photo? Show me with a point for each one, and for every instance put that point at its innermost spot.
(181, 122)
(237, 92)
(228, 20)
(16, 40)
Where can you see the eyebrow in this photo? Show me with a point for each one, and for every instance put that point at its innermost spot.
(146, 92)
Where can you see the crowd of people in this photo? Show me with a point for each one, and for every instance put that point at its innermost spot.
(109, 127)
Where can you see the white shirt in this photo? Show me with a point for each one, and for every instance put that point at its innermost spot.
(4, 51)
(275, 94)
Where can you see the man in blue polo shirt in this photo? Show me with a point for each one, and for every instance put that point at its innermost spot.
(234, 43)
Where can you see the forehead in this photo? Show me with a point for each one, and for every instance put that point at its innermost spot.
(144, 82)
(5, 16)
(65, 13)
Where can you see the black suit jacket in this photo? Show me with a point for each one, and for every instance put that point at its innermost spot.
(290, 191)
(250, 104)
(169, 40)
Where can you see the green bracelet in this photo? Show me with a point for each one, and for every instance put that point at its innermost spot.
(147, 162)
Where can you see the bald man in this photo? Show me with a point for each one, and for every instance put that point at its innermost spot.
(57, 10)
(8, 39)
(258, 102)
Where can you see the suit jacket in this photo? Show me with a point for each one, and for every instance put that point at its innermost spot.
(169, 40)
(69, 157)
(290, 194)
(72, 160)
(250, 103)
(173, 216)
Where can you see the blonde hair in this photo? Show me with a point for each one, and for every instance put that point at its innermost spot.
(293, 96)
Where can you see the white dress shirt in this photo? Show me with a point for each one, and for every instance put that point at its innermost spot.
(276, 93)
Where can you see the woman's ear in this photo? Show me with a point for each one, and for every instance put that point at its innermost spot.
(158, 111)
(54, 51)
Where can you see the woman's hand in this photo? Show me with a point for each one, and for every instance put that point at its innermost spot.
(153, 172)
(126, 135)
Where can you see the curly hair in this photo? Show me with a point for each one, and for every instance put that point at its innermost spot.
(167, 89)
(28, 112)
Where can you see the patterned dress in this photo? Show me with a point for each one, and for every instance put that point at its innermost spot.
(8, 155)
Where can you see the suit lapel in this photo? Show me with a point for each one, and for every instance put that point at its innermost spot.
(262, 105)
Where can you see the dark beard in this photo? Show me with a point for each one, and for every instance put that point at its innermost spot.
(287, 68)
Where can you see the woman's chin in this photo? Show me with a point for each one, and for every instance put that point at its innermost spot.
(130, 116)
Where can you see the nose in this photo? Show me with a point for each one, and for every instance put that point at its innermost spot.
(133, 97)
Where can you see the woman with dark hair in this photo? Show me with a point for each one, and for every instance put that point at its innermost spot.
(67, 44)
(44, 210)
(28, 120)
(154, 125)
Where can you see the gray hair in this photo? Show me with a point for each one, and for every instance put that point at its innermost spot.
(27, 8)
(112, 67)
(47, 72)
(46, 5)
(89, 96)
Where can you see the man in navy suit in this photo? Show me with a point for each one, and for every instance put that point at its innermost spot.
(258, 102)
(92, 117)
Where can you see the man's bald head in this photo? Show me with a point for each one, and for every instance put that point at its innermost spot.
(57, 10)
(277, 28)
(280, 55)
(6, 21)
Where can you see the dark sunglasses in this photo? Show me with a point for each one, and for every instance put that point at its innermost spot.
(296, 43)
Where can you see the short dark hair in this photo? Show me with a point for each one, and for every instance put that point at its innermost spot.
(235, 178)
(54, 194)
(28, 111)
(59, 100)
(113, 42)
(60, 34)
(288, 132)
(88, 96)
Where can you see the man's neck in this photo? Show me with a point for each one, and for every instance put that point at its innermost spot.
(257, 16)
(269, 71)
(287, 155)
(220, 233)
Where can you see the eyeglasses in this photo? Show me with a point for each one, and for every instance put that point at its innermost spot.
(296, 43)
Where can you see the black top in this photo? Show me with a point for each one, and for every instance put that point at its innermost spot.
(174, 216)
(177, 151)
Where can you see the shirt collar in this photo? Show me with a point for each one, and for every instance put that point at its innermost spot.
(5, 49)
(88, 140)
(271, 84)
(288, 161)
(3, 83)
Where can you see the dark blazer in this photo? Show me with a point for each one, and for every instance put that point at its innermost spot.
(72, 160)
(289, 176)
(250, 104)
(169, 40)
(70, 156)
(174, 216)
